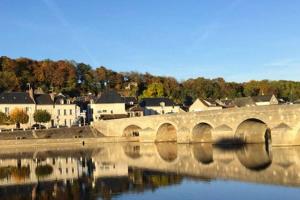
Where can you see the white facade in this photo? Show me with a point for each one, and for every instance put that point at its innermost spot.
(160, 110)
(203, 105)
(96, 110)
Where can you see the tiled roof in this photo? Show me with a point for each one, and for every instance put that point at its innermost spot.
(43, 99)
(110, 96)
(59, 98)
(156, 102)
(130, 100)
(15, 98)
(262, 98)
(244, 101)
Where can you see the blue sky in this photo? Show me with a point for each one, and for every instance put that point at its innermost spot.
(239, 40)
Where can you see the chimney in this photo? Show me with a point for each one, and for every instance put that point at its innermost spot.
(31, 92)
(52, 95)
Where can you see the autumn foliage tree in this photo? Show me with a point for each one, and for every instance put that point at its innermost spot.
(19, 116)
(76, 79)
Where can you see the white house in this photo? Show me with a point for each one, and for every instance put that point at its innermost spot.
(264, 100)
(109, 105)
(158, 106)
(203, 105)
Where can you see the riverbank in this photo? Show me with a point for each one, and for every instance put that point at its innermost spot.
(74, 136)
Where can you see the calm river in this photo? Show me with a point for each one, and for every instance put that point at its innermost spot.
(150, 171)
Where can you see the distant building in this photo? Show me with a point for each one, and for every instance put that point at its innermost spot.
(155, 106)
(63, 112)
(135, 111)
(109, 105)
(132, 107)
(225, 103)
(203, 105)
(21, 100)
(244, 102)
(263, 100)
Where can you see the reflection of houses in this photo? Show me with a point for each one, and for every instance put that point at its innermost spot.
(154, 106)
(109, 105)
(107, 169)
(28, 170)
(202, 105)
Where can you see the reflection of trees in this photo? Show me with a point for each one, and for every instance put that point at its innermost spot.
(20, 173)
(43, 170)
(17, 173)
(4, 172)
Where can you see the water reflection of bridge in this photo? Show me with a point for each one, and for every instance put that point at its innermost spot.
(252, 163)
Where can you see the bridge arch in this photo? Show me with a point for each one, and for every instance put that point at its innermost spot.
(253, 130)
(131, 131)
(132, 150)
(202, 132)
(203, 153)
(255, 157)
(166, 132)
(168, 152)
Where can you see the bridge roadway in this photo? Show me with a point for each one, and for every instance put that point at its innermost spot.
(278, 124)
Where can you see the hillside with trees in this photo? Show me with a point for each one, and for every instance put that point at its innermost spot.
(77, 79)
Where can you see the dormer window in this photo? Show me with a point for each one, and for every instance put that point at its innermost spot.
(68, 101)
(61, 101)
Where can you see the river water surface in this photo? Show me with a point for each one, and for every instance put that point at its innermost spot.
(151, 171)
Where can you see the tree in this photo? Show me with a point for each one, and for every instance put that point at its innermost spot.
(19, 116)
(41, 116)
(154, 90)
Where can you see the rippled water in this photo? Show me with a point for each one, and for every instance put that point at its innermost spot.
(151, 171)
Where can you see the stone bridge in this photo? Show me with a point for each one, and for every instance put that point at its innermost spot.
(279, 124)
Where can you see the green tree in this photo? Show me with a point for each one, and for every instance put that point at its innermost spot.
(19, 116)
(41, 116)
(154, 90)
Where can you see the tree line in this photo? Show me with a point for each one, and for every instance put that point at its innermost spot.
(75, 79)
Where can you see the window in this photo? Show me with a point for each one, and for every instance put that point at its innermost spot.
(111, 111)
(65, 112)
(104, 111)
(58, 112)
(27, 109)
(71, 111)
